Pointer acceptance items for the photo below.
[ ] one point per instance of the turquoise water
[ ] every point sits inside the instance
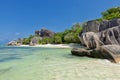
(30, 63)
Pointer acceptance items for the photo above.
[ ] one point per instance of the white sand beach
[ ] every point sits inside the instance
(55, 46)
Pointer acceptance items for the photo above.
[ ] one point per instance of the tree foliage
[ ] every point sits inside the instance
(57, 38)
(111, 13)
(72, 35)
(45, 40)
(27, 40)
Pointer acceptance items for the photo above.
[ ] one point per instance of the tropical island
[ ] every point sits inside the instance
(100, 36)
(59, 40)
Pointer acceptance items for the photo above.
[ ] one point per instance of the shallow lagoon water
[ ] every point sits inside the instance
(29, 63)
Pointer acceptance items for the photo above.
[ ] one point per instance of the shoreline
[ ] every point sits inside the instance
(55, 46)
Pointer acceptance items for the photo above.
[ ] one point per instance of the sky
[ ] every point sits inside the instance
(20, 18)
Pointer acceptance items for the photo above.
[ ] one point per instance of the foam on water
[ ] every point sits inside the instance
(52, 64)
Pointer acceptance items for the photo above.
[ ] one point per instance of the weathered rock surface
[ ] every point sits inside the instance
(34, 41)
(106, 32)
(110, 36)
(90, 39)
(81, 52)
(12, 43)
(91, 26)
(102, 38)
(110, 52)
(44, 33)
(103, 25)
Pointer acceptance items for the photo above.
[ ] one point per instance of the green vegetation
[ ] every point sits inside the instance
(68, 36)
(45, 40)
(57, 38)
(71, 35)
(110, 14)
(27, 40)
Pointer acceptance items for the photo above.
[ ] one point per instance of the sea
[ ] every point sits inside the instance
(36, 63)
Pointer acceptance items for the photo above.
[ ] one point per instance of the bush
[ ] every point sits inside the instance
(46, 40)
(72, 35)
(57, 38)
(27, 40)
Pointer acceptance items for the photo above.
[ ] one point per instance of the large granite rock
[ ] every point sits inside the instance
(111, 52)
(34, 41)
(94, 26)
(110, 36)
(102, 38)
(44, 33)
(114, 22)
(103, 25)
(106, 32)
(91, 26)
(90, 39)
